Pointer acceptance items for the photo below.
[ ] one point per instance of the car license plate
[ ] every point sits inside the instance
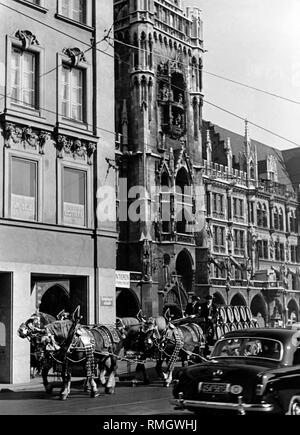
(213, 388)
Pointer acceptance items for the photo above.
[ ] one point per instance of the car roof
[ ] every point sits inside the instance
(281, 334)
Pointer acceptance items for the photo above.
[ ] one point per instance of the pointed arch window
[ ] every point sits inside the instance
(281, 220)
(165, 202)
(264, 216)
(184, 200)
(276, 218)
(259, 215)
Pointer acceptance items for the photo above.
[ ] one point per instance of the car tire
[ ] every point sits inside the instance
(294, 408)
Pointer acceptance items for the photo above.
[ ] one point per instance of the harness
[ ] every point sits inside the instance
(179, 343)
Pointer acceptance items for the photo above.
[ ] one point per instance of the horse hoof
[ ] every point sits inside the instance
(63, 398)
(109, 391)
(94, 394)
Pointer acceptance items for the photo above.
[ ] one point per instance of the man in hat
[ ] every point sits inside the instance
(208, 314)
(193, 306)
(208, 309)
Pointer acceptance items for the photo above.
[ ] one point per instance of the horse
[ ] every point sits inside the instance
(185, 342)
(38, 330)
(33, 329)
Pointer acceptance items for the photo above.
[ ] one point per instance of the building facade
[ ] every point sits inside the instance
(251, 240)
(56, 137)
(159, 49)
(238, 237)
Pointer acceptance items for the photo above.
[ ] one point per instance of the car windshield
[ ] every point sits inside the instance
(248, 347)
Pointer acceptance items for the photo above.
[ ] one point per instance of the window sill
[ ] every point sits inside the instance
(74, 23)
(33, 6)
(20, 108)
(70, 127)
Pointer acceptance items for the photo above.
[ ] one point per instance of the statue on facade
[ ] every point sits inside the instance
(165, 93)
(284, 275)
(146, 261)
(227, 266)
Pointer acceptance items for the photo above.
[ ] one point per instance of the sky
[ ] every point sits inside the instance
(256, 42)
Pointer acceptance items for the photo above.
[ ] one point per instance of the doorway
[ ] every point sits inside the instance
(5, 328)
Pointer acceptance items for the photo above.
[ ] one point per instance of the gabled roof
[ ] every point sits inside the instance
(263, 151)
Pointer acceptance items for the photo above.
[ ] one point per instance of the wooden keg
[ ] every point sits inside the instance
(230, 315)
(243, 313)
(219, 332)
(239, 326)
(223, 314)
(227, 328)
(236, 313)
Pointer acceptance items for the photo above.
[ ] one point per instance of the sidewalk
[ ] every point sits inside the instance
(125, 373)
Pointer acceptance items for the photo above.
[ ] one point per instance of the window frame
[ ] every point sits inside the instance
(39, 52)
(61, 165)
(87, 124)
(39, 7)
(71, 101)
(87, 24)
(38, 160)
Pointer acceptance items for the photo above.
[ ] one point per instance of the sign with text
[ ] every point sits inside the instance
(74, 214)
(107, 301)
(23, 207)
(122, 279)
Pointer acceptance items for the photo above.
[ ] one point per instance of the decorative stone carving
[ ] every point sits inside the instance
(75, 54)
(30, 137)
(146, 260)
(43, 138)
(63, 144)
(78, 149)
(25, 136)
(75, 148)
(27, 38)
(12, 134)
(91, 148)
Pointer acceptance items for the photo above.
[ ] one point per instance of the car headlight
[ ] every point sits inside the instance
(236, 390)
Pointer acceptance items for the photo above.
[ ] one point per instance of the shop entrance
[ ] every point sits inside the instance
(5, 327)
(128, 304)
(54, 294)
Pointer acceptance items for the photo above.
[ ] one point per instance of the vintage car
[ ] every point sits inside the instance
(248, 371)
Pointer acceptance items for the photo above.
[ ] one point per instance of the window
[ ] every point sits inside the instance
(293, 254)
(218, 205)
(263, 249)
(239, 242)
(72, 93)
(74, 197)
(238, 208)
(23, 203)
(74, 9)
(24, 78)
(219, 239)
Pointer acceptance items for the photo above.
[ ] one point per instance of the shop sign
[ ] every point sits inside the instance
(107, 301)
(22, 207)
(74, 214)
(122, 279)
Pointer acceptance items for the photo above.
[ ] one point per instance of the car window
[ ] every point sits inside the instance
(249, 347)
